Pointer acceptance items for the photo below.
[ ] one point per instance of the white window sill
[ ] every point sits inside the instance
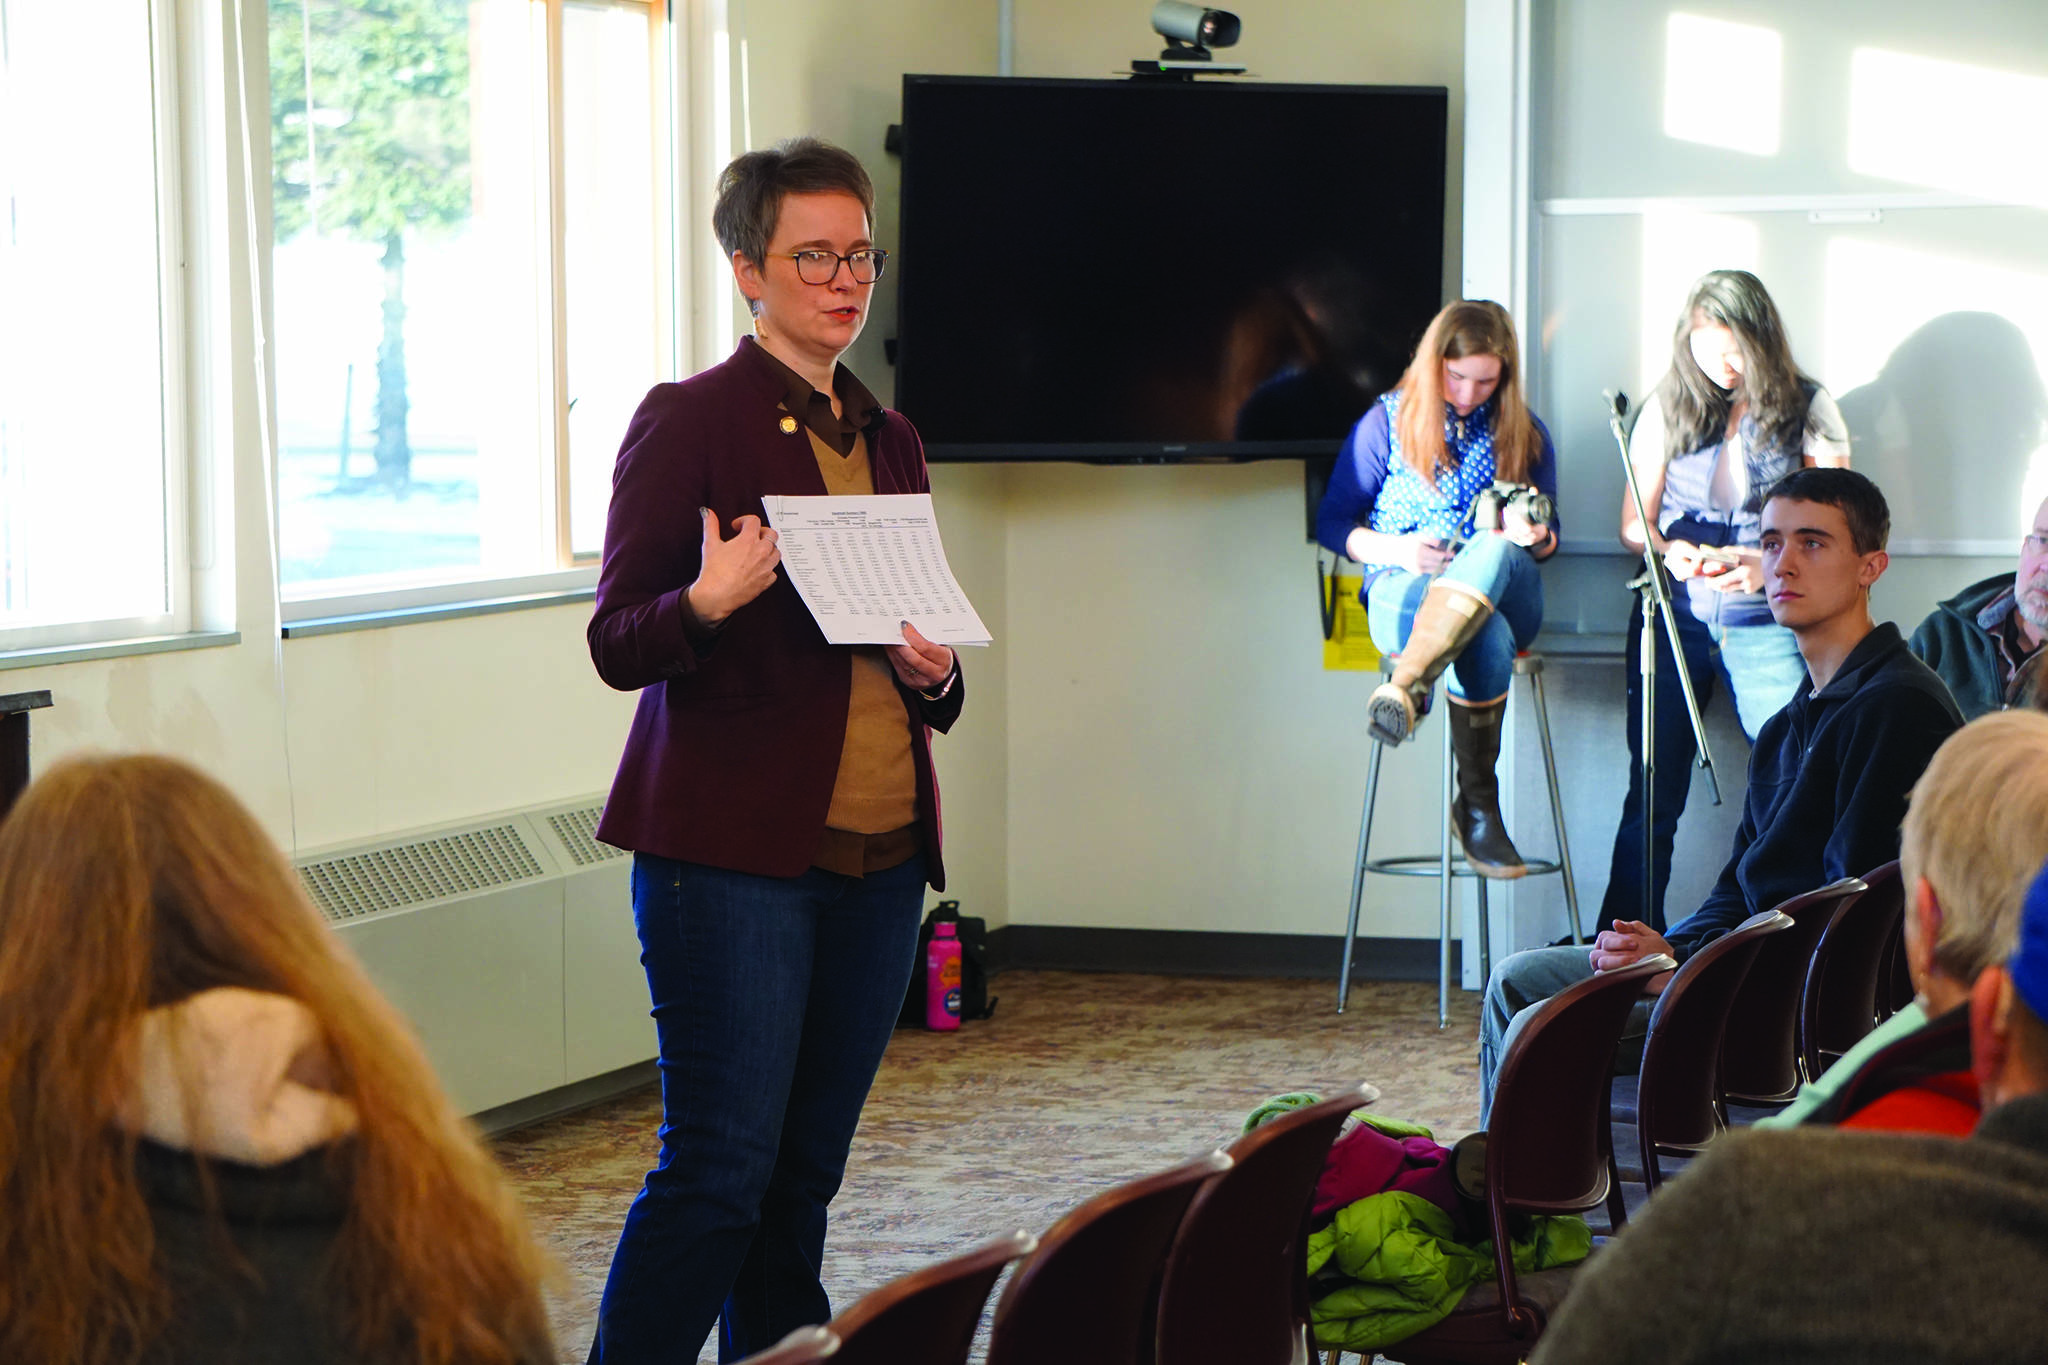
(118, 649)
(444, 611)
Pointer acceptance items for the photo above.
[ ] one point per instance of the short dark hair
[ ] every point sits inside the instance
(752, 188)
(1862, 505)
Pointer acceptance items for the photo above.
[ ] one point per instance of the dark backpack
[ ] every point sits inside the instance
(972, 932)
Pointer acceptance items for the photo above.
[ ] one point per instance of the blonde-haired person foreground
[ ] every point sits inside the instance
(1975, 833)
(217, 1142)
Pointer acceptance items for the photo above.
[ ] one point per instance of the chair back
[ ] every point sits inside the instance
(1235, 1291)
(927, 1317)
(1090, 1294)
(1547, 1143)
(1678, 1095)
(801, 1347)
(1840, 1001)
(1548, 1148)
(1760, 1061)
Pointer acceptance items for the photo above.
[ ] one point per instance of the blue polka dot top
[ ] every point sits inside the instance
(1406, 505)
(1373, 486)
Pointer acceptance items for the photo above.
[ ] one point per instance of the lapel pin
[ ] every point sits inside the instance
(788, 425)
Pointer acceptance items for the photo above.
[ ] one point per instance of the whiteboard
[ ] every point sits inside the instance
(1919, 302)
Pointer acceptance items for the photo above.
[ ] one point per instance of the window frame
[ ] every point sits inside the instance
(569, 572)
(170, 102)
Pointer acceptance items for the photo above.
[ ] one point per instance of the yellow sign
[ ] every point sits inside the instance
(1350, 647)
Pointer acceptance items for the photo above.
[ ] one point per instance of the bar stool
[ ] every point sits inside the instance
(1446, 868)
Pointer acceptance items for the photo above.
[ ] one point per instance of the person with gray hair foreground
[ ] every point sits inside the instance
(1976, 824)
(1830, 1247)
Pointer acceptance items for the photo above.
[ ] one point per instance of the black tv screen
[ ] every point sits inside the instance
(1160, 270)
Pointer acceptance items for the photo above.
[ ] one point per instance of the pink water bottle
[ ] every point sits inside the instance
(942, 979)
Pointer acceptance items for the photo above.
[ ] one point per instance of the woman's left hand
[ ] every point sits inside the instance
(920, 665)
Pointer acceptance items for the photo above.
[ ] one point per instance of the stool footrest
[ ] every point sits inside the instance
(1428, 864)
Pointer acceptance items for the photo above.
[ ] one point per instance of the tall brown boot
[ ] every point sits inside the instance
(1448, 620)
(1475, 809)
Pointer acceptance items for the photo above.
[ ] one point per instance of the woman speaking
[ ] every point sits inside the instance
(1733, 415)
(1440, 591)
(777, 792)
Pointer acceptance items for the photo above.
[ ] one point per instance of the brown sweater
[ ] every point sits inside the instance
(876, 790)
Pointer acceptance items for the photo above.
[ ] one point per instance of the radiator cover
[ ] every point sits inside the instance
(507, 941)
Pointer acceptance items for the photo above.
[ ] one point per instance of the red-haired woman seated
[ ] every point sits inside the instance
(217, 1142)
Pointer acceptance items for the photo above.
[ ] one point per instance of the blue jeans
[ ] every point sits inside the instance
(1763, 669)
(1497, 569)
(773, 1001)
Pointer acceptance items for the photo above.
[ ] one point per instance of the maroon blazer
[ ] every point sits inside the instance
(735, 746)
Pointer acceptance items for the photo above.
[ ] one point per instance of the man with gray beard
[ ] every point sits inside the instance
(1985, 642)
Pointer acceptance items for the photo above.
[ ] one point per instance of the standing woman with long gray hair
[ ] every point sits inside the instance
(1733, 414)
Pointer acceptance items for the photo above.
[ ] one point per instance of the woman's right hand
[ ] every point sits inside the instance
(1425, 555)
(1683, 558)
(734, 572)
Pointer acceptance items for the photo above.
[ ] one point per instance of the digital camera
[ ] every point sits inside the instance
(1531, 502)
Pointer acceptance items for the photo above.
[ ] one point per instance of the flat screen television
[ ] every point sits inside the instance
(1153, 271)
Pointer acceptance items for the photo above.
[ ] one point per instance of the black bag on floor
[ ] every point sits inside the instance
(972, 931)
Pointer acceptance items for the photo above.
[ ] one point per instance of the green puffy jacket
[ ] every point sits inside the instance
(1406, 1272)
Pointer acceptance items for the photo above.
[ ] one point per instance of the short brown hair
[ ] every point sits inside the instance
(1977, 829)
(752, 188)
(1861, 503)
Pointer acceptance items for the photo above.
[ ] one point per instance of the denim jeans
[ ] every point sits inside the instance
(1497, 569)
(773, 1001)
(1763, 669)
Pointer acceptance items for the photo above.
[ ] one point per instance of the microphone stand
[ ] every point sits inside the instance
(1656, 606)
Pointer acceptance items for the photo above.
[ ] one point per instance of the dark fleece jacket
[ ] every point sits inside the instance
(1965, 654)
(1827, 784)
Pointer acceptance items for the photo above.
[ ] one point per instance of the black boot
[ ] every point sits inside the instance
(1475, 810)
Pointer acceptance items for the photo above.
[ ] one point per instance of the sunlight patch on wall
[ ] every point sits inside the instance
(1679, 246)
(1948, 125)
(1723, 83)
(1938, 362)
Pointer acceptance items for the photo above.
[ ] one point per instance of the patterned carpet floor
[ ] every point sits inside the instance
(1079, 1082)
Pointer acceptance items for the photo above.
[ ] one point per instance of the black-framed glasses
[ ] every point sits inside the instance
(817, 266)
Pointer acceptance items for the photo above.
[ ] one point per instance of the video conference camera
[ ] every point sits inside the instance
(1191, 32)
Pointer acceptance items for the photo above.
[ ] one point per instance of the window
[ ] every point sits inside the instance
(472, 267)
(91, 506)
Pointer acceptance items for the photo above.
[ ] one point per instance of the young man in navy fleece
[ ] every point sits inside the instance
(1829, 774)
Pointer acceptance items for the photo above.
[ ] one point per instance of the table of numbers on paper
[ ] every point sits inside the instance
(865, 565)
